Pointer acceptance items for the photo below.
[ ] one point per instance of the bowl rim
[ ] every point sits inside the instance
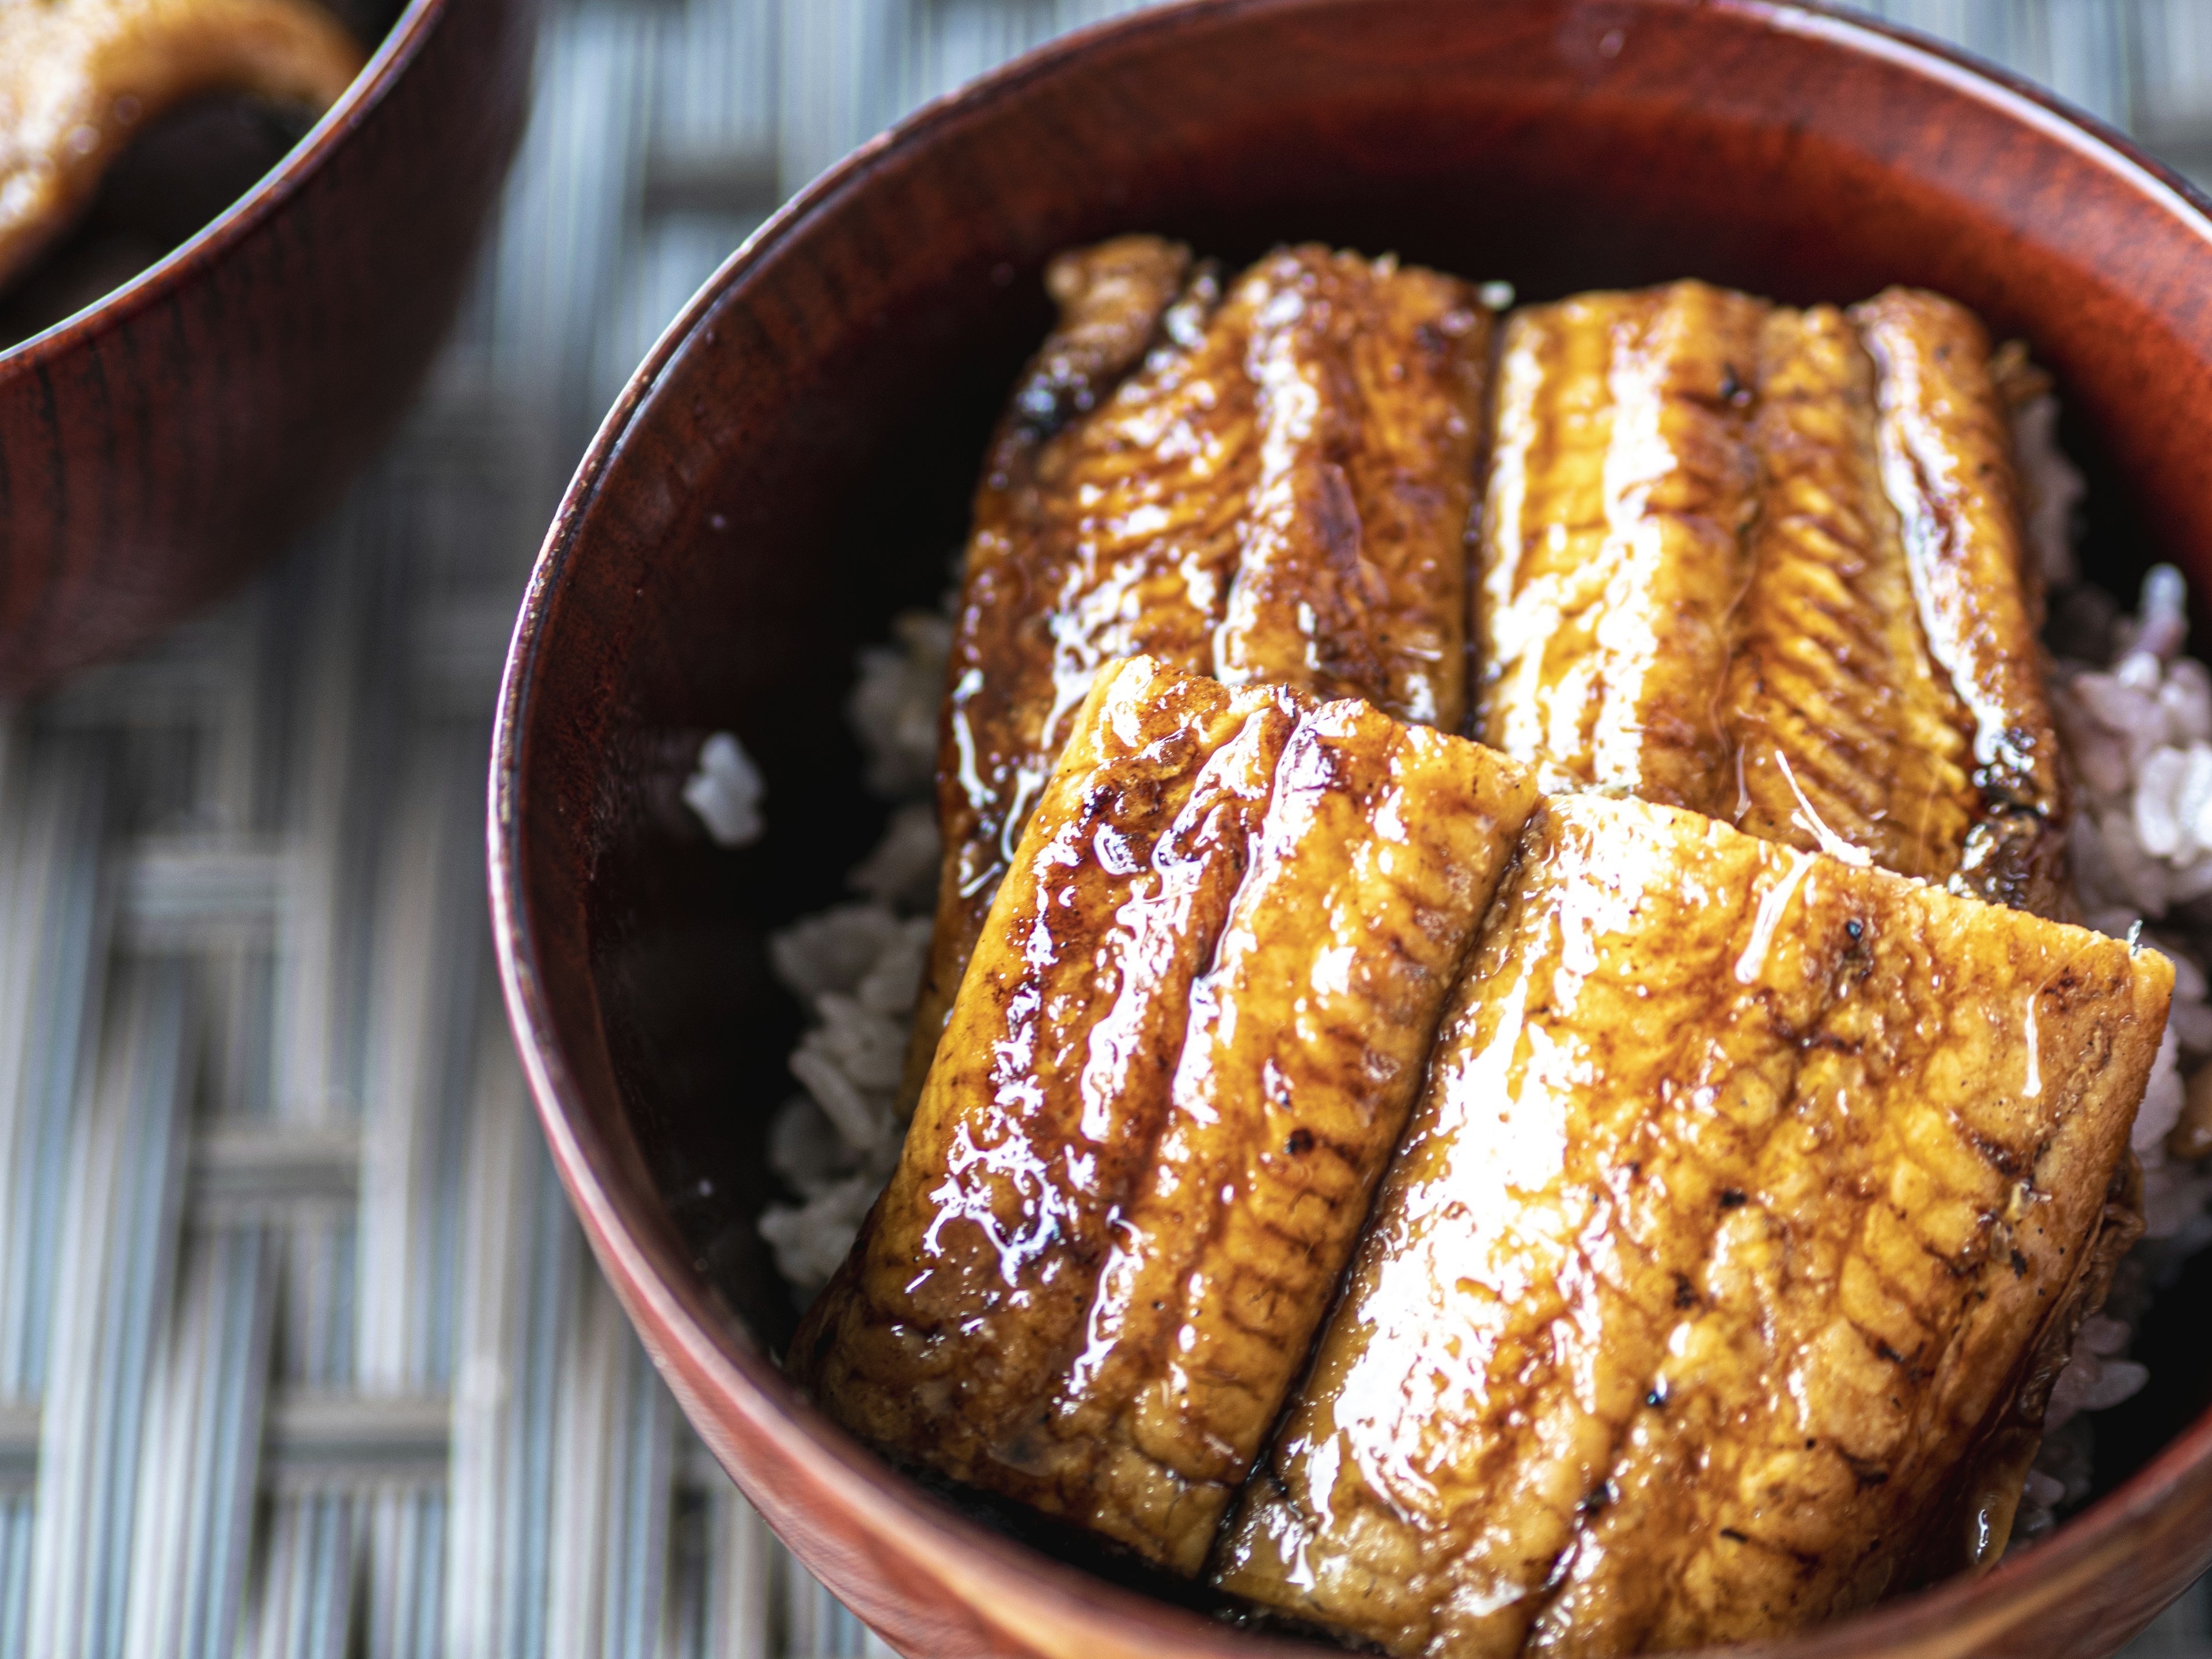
(695, 1338)
(400, 46)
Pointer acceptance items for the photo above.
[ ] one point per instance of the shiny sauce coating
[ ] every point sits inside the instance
(1197, 1015)
(1268, 482)
(1744, 1183)
(1768, 564)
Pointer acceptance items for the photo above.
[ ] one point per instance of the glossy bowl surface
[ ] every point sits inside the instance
(791, 465)
(158, 446)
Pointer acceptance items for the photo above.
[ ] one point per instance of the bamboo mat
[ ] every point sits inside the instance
(300, 1354)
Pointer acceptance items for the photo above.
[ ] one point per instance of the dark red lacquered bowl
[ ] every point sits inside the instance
(157, 446)
(792, 463)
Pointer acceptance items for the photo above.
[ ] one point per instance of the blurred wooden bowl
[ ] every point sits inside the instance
(158, 446)
(792, 463)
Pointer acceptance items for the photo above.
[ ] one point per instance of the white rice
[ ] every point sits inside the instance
(858, 969)
(2135, 725)
(2134, 722)
(725, 790)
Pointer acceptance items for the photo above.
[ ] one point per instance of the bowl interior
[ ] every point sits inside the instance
(793, 465)
(189, 169)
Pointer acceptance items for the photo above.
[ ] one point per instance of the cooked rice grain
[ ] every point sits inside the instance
(858, 968)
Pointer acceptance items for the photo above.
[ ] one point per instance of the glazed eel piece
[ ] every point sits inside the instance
(78, 78)
(1743, 1188)
(1768, 564)
(1195, 1019)
(1269, 484)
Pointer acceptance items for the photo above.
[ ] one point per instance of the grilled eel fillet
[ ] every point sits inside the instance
(1768, 564)
(1270, 485)
(79, 78)
(1194, 1025)
(1742, 1184)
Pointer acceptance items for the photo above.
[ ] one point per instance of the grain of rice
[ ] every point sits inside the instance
(893, 707)
(901, 873)
(2135, 723)
(857, 968)
(724, 791)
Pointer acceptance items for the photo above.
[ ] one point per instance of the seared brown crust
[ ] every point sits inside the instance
(1277, 493)
(78, 78)
(1946, 459)
(1080, 522)
(1611, 545)
(1744, 1185)
(1968, 1531)
(942, 1334)
(1352, 581)
(1768, 563)
(1189, 1035)
(1841, 722)
(1111, 299)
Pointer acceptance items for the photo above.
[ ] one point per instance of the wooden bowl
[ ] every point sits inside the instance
(793, 462)
(158, 446)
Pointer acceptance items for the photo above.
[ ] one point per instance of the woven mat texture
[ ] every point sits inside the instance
(301, 1353)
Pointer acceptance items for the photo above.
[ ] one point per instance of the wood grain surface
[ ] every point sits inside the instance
(159, 446)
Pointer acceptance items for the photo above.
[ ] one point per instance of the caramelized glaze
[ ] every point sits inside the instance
(1271, 484)
(1768, 564)
(1621, 486)
(1353, 578)
(1744, 1181)
(1753, 1193)
(1184, 1048)
(1843, 723)
(1947, 459)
